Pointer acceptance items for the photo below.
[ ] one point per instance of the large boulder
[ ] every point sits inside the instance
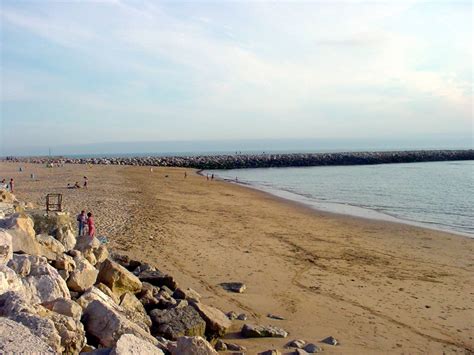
(6, 209)
(65, 307)
(193, 346)
(129, 344)
(42, 283)
(147, 296)
(6, 247)
(20, 226)
(260, 331)
(107, 333)
(158, 278)
(21, 264)
(9, 280)
(186, 294)
(14, 306)
(176, 322)
(7, 196)
(85, 243)
(57, 224)
(70, 330)
(101, 254)
(95, 294)
(17, 339)
(90, 247)
(105, 289)
(64, 262)
(118, 279)
(217, 322)
(50, 247)
(135, 310)
(83, 276)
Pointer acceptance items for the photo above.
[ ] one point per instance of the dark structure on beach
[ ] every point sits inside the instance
(270, 160)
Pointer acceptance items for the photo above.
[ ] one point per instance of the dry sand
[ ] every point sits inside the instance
(377, 287)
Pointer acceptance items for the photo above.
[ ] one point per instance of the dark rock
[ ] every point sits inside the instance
(270, 352)
(330, 340)
(217, 322)
(231, 315)
(242, 316)
(273, 316)
(259, 331)
(176, 322)
(220, 345)
(157, 278)
(297, 343)
(235, 347)
(312, 348)
(237, 287)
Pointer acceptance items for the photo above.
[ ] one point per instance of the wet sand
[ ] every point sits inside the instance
(377, 287)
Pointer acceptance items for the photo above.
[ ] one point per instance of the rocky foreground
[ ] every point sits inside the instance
(239, 161)
(62, 294)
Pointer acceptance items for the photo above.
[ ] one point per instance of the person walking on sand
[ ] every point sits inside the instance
(81, 222)
(185, 174)
(90, 225)
(12, 183)
(85, 182)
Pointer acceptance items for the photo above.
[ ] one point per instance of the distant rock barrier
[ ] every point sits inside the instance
(239, 161)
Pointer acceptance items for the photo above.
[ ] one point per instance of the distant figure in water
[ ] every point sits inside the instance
(236, 179)
(212, 177)
(81, 222)
(11, 184)
(90, 225)
(85, 182)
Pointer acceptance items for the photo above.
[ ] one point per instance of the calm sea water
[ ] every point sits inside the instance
(438, 195)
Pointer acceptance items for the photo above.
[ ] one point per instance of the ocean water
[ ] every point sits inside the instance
(438, 195)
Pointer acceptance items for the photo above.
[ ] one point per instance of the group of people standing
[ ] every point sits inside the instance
(8, 186)
(86, 221)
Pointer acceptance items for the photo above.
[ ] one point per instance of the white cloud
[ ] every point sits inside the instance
(283, 64)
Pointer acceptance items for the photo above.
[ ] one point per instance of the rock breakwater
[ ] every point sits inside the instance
(239, 161)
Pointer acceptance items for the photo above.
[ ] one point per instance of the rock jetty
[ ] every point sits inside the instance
(240, 161)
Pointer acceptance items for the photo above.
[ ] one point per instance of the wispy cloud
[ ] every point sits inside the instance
(294, 68)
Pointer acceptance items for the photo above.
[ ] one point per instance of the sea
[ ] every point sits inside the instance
(437, 195)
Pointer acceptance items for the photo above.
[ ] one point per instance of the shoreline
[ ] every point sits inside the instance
(318, 206)
(376, 286)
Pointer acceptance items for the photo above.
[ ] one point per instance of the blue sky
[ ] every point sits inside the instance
(88, 72)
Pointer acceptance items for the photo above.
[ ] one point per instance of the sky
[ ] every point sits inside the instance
(85, 73)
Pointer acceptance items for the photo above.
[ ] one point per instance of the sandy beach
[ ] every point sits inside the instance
(377, 287)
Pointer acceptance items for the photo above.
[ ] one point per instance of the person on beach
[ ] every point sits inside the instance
(85, 182)
(11, 185)
(207, 176)
(81, 222)
(90, 225)
(77, 186)
(185, 174)
(212, 177)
